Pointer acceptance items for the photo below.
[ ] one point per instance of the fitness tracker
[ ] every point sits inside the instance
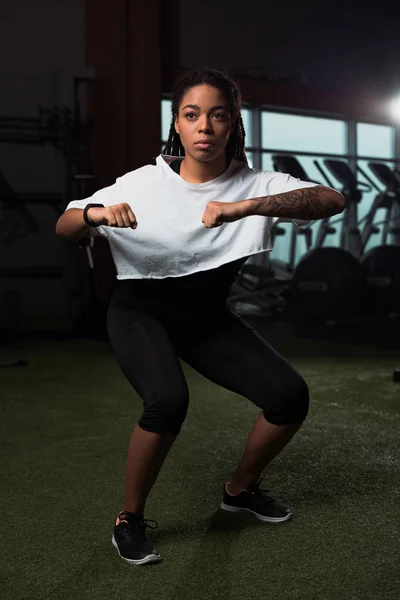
(85, 217)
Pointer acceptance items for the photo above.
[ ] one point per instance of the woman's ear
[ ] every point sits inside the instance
(176, 125)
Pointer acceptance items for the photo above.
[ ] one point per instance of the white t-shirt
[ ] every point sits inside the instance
(170, 239)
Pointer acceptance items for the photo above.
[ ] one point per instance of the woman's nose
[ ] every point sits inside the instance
(204, 124)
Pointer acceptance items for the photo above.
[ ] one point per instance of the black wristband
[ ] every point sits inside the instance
(85, 217)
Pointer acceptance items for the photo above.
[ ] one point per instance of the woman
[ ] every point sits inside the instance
(179, 232)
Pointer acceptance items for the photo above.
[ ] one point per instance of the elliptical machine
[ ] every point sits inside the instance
(382, 262)
(285, 163)
(258, 290)
(262, 284)
(328, 282)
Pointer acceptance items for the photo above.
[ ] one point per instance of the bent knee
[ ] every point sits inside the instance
(290, 404)
(166, 415)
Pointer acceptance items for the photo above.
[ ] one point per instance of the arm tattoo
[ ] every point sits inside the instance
(308, 203)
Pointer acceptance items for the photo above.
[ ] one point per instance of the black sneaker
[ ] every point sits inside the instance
(258, 502)
(131, 540)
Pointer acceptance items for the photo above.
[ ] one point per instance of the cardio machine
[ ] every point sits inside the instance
(328, 282)
(382, 262)
(263, 282)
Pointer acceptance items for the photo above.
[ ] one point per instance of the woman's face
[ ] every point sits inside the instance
(204, 123)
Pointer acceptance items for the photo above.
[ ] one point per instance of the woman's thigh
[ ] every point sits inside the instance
(147, 356)
(233, 355)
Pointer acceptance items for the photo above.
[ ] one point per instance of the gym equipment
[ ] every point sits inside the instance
(64, 129)
(257, 288)
(327, 285)
(286, 163)
(328, 282)
(22, 223)
(289, 164)
(263, 281)
(382, 263)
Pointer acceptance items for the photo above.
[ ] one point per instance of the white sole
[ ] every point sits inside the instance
(257, 515)
(151, 558)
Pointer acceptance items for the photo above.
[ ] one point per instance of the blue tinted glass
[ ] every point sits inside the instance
(246, 117)
(165, 119)
(304, 134)
(375, 140)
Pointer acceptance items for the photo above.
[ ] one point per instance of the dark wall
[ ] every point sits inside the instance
(349, 44)
(41, 50)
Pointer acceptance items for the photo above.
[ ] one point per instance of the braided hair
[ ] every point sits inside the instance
(223, 82)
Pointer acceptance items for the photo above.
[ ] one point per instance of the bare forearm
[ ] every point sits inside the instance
(71, 224)
(310, 203)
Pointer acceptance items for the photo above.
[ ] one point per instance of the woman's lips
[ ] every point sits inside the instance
(204, 145)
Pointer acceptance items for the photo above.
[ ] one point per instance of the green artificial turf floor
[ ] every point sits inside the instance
(65, 424)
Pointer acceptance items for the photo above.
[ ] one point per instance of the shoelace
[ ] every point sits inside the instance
(255, 489)
(146, 522)
(139, 524)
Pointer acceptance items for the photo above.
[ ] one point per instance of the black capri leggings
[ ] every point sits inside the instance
(220, 345)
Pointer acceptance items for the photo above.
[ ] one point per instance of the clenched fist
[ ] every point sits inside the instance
(118, 215)
(217, 213)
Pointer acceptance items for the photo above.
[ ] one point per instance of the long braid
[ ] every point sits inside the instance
(236, 142)
(222, 81)
(174, 146)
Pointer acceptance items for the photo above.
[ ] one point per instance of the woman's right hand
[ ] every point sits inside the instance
(118, 215)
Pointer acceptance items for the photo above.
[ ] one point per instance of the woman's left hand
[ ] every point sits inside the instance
(217, 213)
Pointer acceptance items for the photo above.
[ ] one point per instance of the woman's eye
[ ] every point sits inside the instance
(190, 115)
(218, 115)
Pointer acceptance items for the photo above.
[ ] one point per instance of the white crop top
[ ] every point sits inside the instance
(170, 239)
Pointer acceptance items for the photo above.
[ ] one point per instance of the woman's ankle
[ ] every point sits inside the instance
(127, 513)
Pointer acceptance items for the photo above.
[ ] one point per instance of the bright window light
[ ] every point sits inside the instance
(394, 108)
